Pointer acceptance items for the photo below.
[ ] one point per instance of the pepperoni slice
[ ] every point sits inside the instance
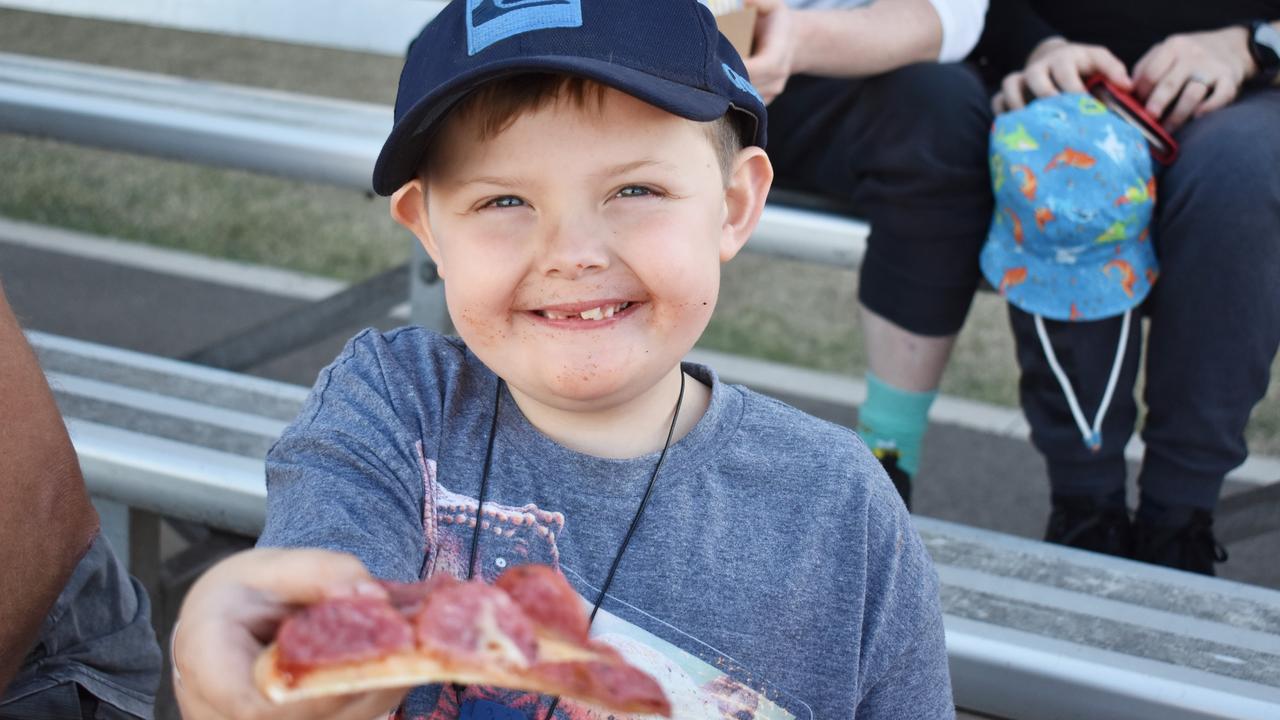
(471, 631)
(475, 620)
(623, 685)
(408, 598)
(342, 630)
(547, 598)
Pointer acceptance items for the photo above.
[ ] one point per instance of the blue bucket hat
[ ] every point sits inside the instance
(667, 53)
(1070, 237)
(1074, 189)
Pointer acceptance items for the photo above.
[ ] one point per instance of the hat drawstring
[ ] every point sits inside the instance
(1092, 436)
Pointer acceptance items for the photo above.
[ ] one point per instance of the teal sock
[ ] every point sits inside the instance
(895, 417)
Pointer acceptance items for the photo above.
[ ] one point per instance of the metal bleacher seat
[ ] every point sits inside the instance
(1033, 630)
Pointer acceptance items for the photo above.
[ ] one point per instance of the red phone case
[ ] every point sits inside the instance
(1163, 147)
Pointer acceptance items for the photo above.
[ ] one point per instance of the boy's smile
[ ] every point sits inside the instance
(585, 314)
(581, 248)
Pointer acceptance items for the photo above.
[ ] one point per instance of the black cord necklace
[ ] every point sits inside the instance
(626, 539)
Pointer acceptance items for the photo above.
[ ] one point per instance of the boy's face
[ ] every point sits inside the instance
(581, 247)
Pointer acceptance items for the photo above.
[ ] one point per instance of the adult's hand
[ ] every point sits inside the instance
(770, 66)
(1058, 66)
(233, 612)
(1192, 74)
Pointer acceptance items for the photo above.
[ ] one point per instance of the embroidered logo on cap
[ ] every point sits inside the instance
(740, 82)
(489, 21)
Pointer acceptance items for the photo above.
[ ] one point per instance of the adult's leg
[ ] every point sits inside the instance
(1086, 352)
(1215, 311)
(908, 151)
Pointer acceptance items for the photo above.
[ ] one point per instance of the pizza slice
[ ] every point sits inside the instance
(527, 631)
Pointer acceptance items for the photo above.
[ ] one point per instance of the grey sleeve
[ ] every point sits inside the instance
(904, 674)
(347, 474)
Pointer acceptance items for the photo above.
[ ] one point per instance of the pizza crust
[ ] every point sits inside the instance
(411, 669)
(403, 670)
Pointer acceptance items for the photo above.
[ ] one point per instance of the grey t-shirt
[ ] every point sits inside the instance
(775, 573)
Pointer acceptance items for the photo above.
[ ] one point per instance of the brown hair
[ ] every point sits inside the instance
(495, 105)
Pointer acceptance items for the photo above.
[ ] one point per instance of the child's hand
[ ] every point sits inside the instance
(233, 612)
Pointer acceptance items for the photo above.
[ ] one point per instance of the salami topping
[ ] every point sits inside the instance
(546, 597)
(409, 597)
(528, 631)
(474, 618)
(341, 631)
(622, 683)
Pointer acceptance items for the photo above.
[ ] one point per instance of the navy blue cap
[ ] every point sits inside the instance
(667, 53)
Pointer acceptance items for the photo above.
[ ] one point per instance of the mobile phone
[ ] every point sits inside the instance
(1163, 147)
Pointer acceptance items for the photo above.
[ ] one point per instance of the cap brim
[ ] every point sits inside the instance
(401, 155)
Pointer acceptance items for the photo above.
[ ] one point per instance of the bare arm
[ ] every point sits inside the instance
(867, 40)
(851, 42)
(46, 520)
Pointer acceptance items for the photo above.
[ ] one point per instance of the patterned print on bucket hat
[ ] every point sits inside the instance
(1070, 238)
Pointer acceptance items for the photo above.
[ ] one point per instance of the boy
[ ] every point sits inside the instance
(579, 171)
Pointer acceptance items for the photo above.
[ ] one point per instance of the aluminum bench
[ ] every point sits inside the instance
(1033, 630)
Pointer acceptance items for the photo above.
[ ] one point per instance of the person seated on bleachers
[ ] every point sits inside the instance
(1208, 72)
(869, 107)
(75, 629)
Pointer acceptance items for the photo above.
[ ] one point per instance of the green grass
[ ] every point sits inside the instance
(222, 213)
(804, 314)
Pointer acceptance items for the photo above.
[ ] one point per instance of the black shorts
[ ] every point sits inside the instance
(906, 151)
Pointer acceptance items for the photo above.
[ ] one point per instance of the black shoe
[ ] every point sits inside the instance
(888, 457)
(1191, 546)
(1082, 521)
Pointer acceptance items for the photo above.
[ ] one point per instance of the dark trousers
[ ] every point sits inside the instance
(1214, 324)
(67, 701)
(907, 151)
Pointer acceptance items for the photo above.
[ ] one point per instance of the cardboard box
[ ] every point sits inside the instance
(739, 26)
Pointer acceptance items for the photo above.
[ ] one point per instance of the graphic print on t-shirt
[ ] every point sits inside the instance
(700, 681)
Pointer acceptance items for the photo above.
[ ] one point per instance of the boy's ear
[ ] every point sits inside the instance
(409, 208)
(744, 199)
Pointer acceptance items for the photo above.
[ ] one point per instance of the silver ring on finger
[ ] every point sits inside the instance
(1198, 78)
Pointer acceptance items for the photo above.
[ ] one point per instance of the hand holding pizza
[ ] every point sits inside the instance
(235, 609)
